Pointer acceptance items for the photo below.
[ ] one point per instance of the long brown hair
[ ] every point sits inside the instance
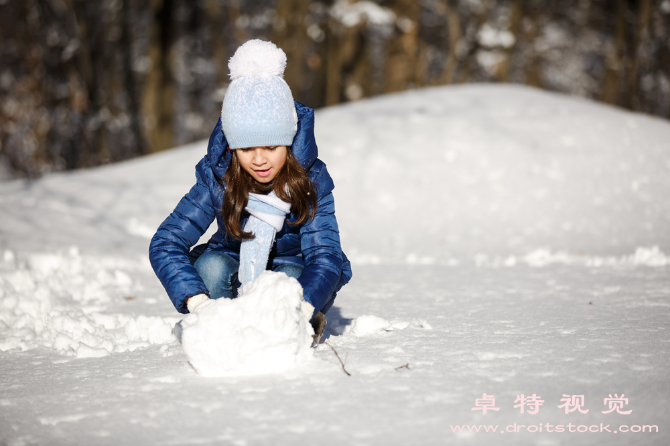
(238, 183)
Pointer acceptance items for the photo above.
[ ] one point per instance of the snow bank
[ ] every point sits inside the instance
(58, 301)
(643, 256)
(651, 256)
(450, 172)
(262, 331)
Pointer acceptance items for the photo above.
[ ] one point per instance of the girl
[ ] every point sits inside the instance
(269, 193)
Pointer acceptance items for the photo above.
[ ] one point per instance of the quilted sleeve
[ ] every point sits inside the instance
(322, 254)
(169, 248)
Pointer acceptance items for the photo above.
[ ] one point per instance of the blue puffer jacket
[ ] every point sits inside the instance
(315, 244)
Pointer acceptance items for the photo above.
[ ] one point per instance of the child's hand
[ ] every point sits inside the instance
(197, 302)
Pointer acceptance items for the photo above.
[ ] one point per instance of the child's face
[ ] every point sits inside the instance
(262, 163)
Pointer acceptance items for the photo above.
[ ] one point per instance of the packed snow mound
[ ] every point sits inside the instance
(262, 331)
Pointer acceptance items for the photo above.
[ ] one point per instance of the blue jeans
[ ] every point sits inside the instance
(219, 272)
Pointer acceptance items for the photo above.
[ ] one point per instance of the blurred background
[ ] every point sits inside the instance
(89, 82)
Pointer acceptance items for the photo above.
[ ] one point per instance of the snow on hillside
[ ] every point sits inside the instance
(504, 240)
(500, 171)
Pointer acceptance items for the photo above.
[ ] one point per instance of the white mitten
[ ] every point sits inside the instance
(197, 302)
(307, 309)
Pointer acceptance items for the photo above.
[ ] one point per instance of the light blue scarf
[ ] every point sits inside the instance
(267, 215)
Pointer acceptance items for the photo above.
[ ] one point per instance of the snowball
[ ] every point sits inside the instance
(262, 331)
(367, 324)
(85, 351)
(400, 325)
(257, 57)
(421, 323)
(8, 256)
(650, 257)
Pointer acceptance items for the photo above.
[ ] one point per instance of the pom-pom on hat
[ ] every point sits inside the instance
(258, 108)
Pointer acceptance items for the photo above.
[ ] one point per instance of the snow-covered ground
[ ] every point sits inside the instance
(504, 240)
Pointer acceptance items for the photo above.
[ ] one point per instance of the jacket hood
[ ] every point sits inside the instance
(304, 144)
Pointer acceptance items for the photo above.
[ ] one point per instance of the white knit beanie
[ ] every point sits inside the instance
(258, 108)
